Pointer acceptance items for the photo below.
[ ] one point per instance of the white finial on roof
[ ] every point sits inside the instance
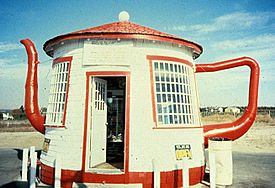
(123, 16)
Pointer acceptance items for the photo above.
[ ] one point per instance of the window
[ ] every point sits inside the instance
(99, 96)
(57, 97)
(175, 96)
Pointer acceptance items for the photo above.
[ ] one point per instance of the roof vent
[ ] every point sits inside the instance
(123, 16)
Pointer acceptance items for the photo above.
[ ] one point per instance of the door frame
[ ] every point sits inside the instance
(85, 151)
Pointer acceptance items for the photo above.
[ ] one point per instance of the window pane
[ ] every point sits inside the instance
(176, 68)
(163, 98)
(171, 68)
(175, 108)
(161, 67)
(167, 77)
(176, 119)
(158, 87)
(160, 119)
(172, 78)
(170, 109)
(173, 88)
(157, 77)
(171, 119)
(169, 99)
(156, 66)
(168, 87)
(177, 87)
(178, 98)
(166, 120)
(162, 77)
(180, 121)
(159, 109)
(179, 108)
(177, 77)
(166, 67)
(158, 98)
(163, 87)
(165, 109)
(174, 98)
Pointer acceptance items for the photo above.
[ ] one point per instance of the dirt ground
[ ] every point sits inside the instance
(259, 139)
(21, 139)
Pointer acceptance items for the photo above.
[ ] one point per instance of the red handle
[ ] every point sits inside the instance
(239, 127)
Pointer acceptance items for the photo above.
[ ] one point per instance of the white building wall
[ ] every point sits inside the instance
(146, 143)
(67, 142)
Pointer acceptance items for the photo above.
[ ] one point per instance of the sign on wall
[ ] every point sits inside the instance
(46, 144)
(183, 151)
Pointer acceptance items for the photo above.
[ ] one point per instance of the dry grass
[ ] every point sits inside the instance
(16, 126)
(227, 118)
(265, 118)
(218, 118)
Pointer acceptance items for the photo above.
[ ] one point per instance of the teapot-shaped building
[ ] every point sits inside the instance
(123, 102)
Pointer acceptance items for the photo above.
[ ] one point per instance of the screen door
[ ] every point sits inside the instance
(98, 121)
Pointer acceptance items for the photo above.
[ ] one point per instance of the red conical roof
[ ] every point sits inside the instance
(123, 29)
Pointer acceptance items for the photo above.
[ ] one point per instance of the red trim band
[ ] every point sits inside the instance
(56, 40)
(62, 59)
(167, 179)
(168, 58)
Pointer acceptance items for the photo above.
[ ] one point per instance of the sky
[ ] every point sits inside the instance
(225, 29)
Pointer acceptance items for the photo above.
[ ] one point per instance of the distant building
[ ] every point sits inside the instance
(7, 116)
(220, 110)
(232, 110)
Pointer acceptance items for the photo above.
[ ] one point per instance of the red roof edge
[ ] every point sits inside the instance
(123, 30)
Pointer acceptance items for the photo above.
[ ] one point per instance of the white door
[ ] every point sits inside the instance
(98, 121)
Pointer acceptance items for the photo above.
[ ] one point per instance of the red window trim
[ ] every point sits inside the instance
(62, 59)
(152, 58)
(127, 117)
(168, 58)
(56, 61)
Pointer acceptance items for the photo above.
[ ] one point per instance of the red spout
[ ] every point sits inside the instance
(31, 94)
(239, 127)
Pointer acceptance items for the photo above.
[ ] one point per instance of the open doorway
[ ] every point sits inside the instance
(107, 143)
